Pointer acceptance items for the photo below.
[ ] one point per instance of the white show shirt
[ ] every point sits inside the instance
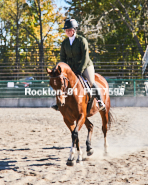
(71, 39)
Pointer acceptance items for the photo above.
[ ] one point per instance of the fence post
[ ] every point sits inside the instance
(134, 88)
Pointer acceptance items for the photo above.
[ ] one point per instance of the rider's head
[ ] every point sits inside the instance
(70, 27)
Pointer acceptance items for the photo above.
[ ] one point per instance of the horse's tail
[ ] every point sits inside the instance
(110, 118)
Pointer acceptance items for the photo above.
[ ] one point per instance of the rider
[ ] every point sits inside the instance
(75, 52)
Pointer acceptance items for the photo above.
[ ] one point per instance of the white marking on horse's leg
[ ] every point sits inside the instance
(105, 146)
(105, 142)
(72, 153)
(79, 155)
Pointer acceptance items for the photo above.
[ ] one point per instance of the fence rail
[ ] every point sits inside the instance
(114, 61)
(41, 88)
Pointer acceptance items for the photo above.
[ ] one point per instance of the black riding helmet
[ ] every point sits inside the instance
(70, 23)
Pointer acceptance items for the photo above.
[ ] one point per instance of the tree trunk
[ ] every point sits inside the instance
(17, 41)
(41, 52)
(139, 45)
(41, 59)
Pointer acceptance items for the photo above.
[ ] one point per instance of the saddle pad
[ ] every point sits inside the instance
(84, 82)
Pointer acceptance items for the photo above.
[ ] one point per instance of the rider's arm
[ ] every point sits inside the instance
(85, 55)
(62, 53)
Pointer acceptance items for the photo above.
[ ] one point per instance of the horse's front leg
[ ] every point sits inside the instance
(79, 151)
(89, 126)
(75, 138)
(104, 116)
(71, 155)
(71, 126)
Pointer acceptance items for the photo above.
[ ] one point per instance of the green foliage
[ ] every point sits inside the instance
(33, 24)
(113, 23)
(124, 20)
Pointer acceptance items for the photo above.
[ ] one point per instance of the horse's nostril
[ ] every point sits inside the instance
(62, 104)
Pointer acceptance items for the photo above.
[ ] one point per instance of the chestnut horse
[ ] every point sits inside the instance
(74, 107)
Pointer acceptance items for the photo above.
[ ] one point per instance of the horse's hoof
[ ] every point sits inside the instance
(90, 152)
(70, 162)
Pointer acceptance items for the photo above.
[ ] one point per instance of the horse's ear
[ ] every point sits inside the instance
(59, 70)
(49, 71)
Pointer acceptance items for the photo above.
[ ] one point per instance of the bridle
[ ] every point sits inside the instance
(66, 86)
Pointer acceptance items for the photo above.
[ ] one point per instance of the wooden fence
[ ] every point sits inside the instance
(111, 61)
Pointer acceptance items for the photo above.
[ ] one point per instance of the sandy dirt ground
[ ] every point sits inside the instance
(35, 145)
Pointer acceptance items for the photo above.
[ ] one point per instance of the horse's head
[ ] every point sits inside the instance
(58, 82)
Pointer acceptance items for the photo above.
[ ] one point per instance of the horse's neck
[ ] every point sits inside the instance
(74, 83)
(72, 79)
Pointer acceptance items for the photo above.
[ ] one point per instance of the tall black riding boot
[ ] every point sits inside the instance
(97, 95)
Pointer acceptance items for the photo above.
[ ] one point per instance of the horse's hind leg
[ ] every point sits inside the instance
(89, 126)
(104, 116)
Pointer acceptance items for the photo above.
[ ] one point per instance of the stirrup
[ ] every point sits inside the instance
(101, 105)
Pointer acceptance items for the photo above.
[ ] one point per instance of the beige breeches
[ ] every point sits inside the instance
(89, 73)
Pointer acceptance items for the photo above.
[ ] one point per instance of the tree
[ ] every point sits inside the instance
(104, 18)
(11, 15)
(33, 23)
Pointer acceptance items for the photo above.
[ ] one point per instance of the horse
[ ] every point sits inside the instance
(73, 106)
